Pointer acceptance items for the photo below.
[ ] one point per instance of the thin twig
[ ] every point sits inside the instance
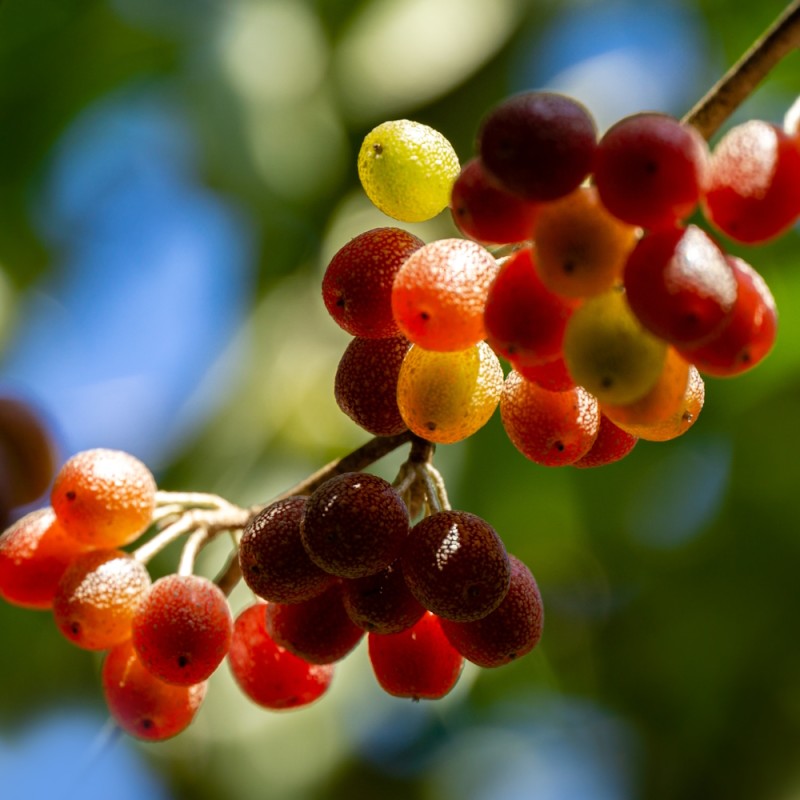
(741, 80)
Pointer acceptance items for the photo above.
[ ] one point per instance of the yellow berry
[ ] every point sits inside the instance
(407, 170)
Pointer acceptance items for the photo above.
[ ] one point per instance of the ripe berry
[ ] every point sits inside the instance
(549, 428)
(525, 321)
(418, 663)
(539, 145)
(34, 554)
(104, 498)
(752, 194)
(446, 397)
(381, 603)
(407, 169)
(456, 565)
(650, 169)
(357, 286)
(317, 630)
(274, 562)
(680, 285)
(183, 628)
(612, 444)
(609, 352)
(551, 375)
(354, 525)
(485, 212)
(439, 294)
(749, 333)
(98, 596)
(679, 421)
(581, 248)
(269, 675)
(140, 703)
(365, 387)
(512, 630)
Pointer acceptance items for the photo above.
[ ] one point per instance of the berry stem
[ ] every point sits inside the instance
(741, 80)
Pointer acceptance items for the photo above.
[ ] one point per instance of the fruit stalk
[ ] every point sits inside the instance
(741, 80)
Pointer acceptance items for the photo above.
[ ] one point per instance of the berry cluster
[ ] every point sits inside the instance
(347, 561)
(606, 302)
(607, 305)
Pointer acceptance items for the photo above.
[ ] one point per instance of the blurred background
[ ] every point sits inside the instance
(174, 178)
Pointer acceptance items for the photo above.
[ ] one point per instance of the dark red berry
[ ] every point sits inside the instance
(456, 565)
(317, 630)
(510, 631)
(274, 562)
(354, 525)
(539, 145)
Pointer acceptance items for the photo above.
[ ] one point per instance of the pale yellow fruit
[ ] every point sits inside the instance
(407, 170)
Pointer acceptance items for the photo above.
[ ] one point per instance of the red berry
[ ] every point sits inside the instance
(753, 193)
(748, 335)
(551, 375)
(650, 170)
(456, 565)
(680, 285)
(269, 675)
(612, 444)
(183, 628)
(512, 630)
(485, 212)
(539, 145)
(525, 321)
(274, 562)
(357, 284)
(140, 703)
(418, 663)
(317, 630)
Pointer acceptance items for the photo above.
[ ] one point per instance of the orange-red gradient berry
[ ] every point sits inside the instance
(419, 662)
(34, 554)
(512, 630)
(269, 675)
(140, 703)
(549, 428)
(97, 597)
(439, 294)
(357, 284)
(104, 498)
(581, 248)
(183, 629)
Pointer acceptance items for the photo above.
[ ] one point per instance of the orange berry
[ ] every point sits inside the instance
(98, 596)
(104, 498)
(440, 292)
